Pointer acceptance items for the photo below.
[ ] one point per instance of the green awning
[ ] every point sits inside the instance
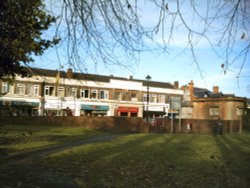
(95, 107)
(12, 103)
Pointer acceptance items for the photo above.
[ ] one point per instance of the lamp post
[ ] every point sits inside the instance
(148, 78)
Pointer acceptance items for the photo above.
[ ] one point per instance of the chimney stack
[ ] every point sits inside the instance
(70, 73)
(215, 89)
(191, 89)
(176, 85)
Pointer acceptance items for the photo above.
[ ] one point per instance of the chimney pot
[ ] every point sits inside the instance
(176, 84)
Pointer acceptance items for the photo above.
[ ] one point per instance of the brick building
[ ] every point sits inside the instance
(211, 105)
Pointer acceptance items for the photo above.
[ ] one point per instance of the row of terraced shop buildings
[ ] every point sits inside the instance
(67, 93)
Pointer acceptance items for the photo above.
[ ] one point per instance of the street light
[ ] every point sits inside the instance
(148, 78)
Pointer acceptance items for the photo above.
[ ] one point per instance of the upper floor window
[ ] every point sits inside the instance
(60, 92)
(214, 111)
(153, 98)
(20, 89)
(118, 95)
(94, 94)
(162, 98)
(134, 97)
(71, 92)
(103, 94)
(7, 88)
(84, 93)
(239, 111)
(33, 90)
(49, 90)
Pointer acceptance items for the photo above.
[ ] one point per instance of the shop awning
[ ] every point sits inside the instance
(95, 107)
(12, 103)
(127, 109)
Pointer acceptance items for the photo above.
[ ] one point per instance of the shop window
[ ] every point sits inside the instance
(84, 93)
(124, 114)
(33, 90)
(49, 90)
(133, 114)
(94, 94)
(71, 92)
(103, 94)
(20, 89)
(214, 112)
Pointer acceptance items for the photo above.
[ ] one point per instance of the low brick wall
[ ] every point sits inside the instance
(114, 124)
(126, 124)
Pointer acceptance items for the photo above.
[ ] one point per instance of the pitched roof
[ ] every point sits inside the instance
(201, 92)
(94, 77)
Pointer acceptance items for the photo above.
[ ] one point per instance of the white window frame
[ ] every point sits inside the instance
(103, 94)
(214, 111)
(94, 92)
(61, 92)
(20, 89)
(6, 87)
(153, 98)
(83, 93)
(162, 98)
(47, 91)
(33, 90)
(71, 92)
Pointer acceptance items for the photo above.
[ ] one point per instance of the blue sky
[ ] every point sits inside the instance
(171, 65)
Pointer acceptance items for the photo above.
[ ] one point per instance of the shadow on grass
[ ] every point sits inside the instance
(235, 163)
(140, 160)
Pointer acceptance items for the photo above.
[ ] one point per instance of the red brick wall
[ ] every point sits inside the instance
(125, 124)
(227, 109)
(114, 124)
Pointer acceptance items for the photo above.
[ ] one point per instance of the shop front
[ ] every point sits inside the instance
(94, 110)
(59, 108)
(127, 111)
(18, 108)
(154, 111)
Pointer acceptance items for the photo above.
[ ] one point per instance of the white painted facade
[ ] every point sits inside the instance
(112, 97)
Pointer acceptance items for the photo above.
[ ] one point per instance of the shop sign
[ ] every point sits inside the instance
(22, 103)
(156, 108)
(95, 107)
(127, 109)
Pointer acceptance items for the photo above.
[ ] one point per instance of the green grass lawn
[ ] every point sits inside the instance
(159, 160)
(138, 160)
(19, 139)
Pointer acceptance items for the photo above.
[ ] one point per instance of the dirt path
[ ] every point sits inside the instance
(24, 171)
